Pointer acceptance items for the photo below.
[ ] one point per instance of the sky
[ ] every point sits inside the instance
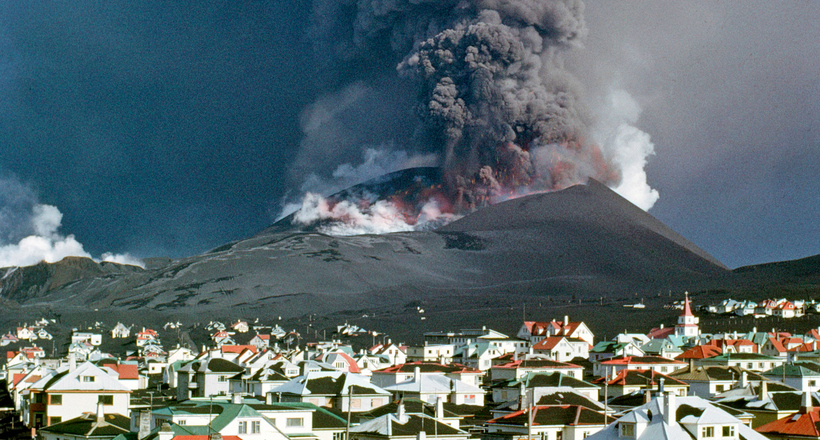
(169, 128)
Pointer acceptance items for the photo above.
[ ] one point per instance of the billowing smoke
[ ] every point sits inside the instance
(30, 231)
(493, 100)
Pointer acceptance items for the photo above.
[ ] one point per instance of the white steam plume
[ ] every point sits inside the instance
(346, 218)
(628, 146)
(31, 231)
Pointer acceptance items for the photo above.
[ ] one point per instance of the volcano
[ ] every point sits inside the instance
(582, 242)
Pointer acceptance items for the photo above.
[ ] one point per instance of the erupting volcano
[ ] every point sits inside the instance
(494, 104)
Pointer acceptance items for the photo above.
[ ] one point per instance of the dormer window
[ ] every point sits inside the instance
(89, 379)
(627, 430)
(729, 431)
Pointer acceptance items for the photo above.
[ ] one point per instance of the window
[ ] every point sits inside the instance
(56, 399)
(106, 399)
(255, 427)
(295, 422)
(243, 427)
(627, 430)
(719, 388)
(729, 431)
(338, 436)
(89, 379)
(53, 420)
(182, 422)
(223, 378)
(708, 431)
(812, 383)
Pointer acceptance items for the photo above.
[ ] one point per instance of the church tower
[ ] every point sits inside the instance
(687, 322)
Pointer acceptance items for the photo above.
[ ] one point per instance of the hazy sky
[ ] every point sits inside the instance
(168, 128)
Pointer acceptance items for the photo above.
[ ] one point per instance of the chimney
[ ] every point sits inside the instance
(421, 435)
(439, 408)
(522, 393)
(566, 320)
(669, 407)
(400, 411)
(165, 432)
(236, 398)
(143, 424)
(416, 374)
(647, 395)
(806, 406)
(744, 379)
(269, 398)
(764, 389)
(660, 387)
(100, 412)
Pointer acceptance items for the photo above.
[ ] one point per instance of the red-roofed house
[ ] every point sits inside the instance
(340, 361)
(661, 332)
(535, 331)
(805, 424)
(785, 310)
(517, 369)
(562, 348)
(628, 381)
(700, 352)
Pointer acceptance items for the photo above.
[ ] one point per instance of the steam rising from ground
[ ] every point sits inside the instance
(493, 103)
(30, 231)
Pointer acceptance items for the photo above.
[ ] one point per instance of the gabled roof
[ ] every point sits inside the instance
(640, 360)
(649, 378)
(429, 367)
(565, 415)
(537, 363)
(803, 424)
(434, 383)
(391, 425)
(700, 352)
(554, 379)
(65, 380)
(88, 425)
(329, 383)
(716, 373)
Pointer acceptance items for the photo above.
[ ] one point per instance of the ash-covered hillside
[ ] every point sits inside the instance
(585, 241)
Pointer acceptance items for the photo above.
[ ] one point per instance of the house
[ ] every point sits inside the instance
(403, 426)
(765, 405)
(393, 354)
(400, 373)
(120, 331)
(786, 310)
(548, 423)
(201, 418)
(630, 381)
(430, 387)
(240, 326)
(70, 391)
(610, 349)
(441, 353)
(611, 367)
(147, 336)
(661, 347)
(804, 424)
(260, 341)
(333, 389)
(519, 368)
(96, 426)
(340, 361)
(707, 382)
(749, 361)
(536, 385)
(478, 355)
(26, 333)
(802, 376)
(562, 348)
(94, 339)
(677, 418)
(534, 331)
(205, 378)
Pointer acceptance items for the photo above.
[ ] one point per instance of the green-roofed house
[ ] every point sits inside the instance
(202, 417)
(802, 376)
(609, 349)
(540, 384)
(403, 426)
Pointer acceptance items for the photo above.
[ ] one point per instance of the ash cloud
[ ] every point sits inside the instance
(492, 99)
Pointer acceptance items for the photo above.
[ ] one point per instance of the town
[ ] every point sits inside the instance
(550, 381)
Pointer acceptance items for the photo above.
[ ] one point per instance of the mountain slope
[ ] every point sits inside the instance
(585, 241)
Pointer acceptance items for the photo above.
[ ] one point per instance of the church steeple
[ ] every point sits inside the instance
(687, 322)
